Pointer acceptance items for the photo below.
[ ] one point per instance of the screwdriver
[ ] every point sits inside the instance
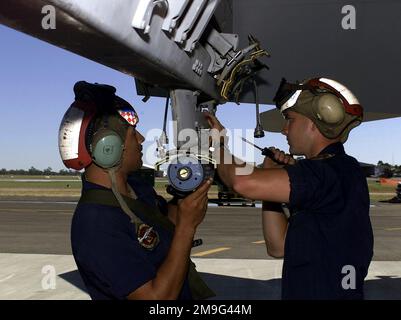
(265, 151)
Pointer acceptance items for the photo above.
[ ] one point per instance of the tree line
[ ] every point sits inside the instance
(32, 171)
(383, 169)
(386, 170)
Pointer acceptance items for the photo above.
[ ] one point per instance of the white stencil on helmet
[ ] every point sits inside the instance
(346, 93)
(68, 135)
(291, 101)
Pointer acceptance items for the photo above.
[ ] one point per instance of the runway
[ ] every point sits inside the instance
(43, 227)
(35, 235)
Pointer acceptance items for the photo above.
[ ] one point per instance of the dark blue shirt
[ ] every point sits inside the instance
(329, 232)
(109, 258)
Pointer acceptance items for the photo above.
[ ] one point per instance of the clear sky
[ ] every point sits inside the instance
(36, 81)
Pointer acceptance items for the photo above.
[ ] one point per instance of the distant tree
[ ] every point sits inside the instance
(397, 170)
(20, 172)
(387, 172)
(48, 171)
(69, 172)
(63, 172)
(34, 171)
(384, 170)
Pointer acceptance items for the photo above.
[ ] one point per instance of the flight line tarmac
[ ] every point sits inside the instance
(35, 241)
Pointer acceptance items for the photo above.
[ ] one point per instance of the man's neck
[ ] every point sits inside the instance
(319, 147)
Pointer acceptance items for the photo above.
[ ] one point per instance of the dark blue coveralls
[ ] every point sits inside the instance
(110, 260)
(329, 233)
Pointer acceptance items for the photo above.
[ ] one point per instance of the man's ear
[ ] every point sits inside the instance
(311, 125)
(314, 130)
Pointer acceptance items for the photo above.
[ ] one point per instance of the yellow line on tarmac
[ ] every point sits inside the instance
(259, 242)
(204, 253)
(392, 229)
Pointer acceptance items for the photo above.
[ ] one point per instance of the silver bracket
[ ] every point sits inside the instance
(190, 44)
(175, 10)
(144, 11)
(221, 47)
(189, 20)
(223, 43)
(216, 62)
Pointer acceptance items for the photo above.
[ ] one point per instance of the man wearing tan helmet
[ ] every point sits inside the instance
(327, 240)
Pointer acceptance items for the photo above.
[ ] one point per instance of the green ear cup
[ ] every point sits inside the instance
(107, 148)
(329, 109)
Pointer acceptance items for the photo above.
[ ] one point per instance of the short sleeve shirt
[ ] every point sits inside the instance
(110, 260)
(329, 233)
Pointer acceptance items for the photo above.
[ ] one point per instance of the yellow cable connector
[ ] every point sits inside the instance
(228, 84)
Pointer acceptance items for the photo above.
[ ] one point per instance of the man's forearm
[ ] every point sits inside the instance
(227, 166)
(275, 225)
(172, 273)
(226, 171)
(172, 212)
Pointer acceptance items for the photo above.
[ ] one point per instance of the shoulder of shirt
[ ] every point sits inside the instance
(323, 156)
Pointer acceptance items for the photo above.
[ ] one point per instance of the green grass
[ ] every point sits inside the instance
(74, 186)
(380, 197)
(23, 177)
(40, 185)
(377, 187)
(160, 184)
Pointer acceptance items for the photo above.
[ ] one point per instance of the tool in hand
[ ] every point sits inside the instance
(265, 151)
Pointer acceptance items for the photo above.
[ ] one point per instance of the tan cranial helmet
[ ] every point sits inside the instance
(331, 106)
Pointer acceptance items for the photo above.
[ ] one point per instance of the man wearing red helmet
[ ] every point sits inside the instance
(127, 242)
(327, 241)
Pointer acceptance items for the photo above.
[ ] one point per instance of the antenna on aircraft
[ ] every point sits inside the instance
(164, 137)
(258, 133)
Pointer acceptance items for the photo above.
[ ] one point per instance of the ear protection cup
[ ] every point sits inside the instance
(328, 108)
(106, 148)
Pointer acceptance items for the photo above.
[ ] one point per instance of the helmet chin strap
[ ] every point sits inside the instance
(142, 238)
(134, 219)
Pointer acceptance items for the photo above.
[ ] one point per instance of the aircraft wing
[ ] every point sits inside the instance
(273, 121)
(359, 46)
(127, 35)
